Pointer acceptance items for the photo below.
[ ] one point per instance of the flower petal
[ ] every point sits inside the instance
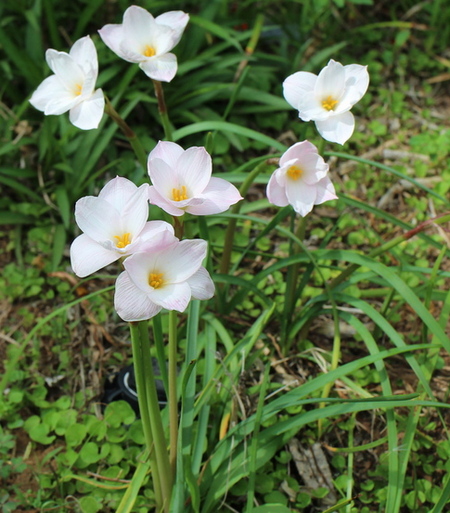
(112, 36)
(325, 191)
(296, 85)
(51, 97)
(296, 151)
(163, 177)
(331, 81)
(181, 261)
(83, 52)
(174, 296)
(314, 168)
(218, 196)
(66, 69)
(356, 84)
(155, 236)
(131, 303)
(97, 218)
(139, 28)
(276, 194)
(168, 151)
(118, 192)
(87, 256)
(162, 68)
(167, 205)
(88, 113)
(194, 169)
(153, 229)
(301, 196)
(310, 107)
(338, 128)
(139, 266)
(202, 286)
(176, 20)
(135, 212)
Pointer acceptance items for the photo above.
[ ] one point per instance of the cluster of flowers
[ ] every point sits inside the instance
(161, 271)
(141, 39)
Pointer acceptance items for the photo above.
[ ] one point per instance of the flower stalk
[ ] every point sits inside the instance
(152, 407)
(139, 374)
(127, 132)
(173, 403)
(231, 228)
(162, 108)
(291, 281)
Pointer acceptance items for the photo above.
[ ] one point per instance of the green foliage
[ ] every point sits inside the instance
(85, 459)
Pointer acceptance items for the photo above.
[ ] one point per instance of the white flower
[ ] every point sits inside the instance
(146, 40)
(71, 88)
(169, 279)
(301, 180)
(115, 226)
(327, 99)
(182, 181)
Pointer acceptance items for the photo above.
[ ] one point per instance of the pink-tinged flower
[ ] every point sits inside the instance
(165, 279)
(146, 40)
(71, 88)
(327, 98)
(182, 181)
(115, 225)
(301, 180)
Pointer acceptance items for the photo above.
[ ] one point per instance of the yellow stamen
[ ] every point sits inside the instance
(179, 194)
(294, 172)
(78, 89)
(149, 51)
(329, 103)
(155, 280)
(122, 240)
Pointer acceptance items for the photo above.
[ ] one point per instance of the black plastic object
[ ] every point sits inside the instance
(123, 387)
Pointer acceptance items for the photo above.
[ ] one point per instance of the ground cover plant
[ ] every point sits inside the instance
(299, 334)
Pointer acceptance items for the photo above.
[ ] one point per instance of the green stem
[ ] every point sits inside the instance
(173, 403)
(250, 48)
(321, 146)
(157, 429)
(140, 378)
(162, 108)
(229, 234)
(178, 225)
(291, 282)
(160, 354)
(384, 248)
(128, 133)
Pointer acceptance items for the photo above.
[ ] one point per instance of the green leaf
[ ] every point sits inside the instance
(89, 453)
(15, 218)
(224, 126)
(39, 434)
(59, 244)
(75, 434)
(63, 202)
(118, 413)
(90, 504)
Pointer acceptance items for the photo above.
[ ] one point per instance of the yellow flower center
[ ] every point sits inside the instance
(122, 240)
(149, 51)
(78, 89)
(329, 103)
(155, 280)
(294, 172)
(179, 194)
